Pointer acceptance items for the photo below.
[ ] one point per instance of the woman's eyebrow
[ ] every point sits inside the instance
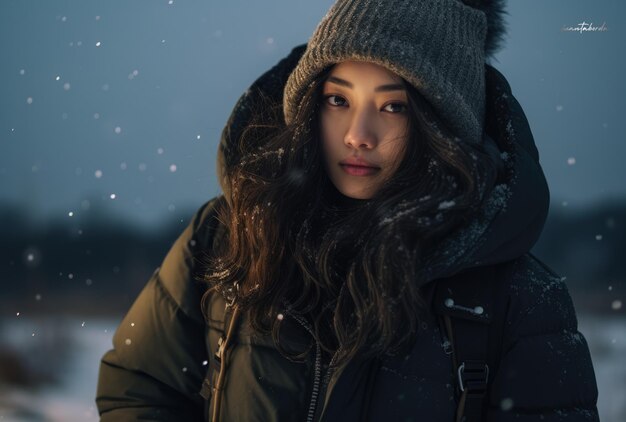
(382, 88)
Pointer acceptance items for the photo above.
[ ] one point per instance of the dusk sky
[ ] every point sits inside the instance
(116, 106)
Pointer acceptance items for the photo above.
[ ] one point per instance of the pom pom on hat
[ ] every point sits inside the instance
(496, 26)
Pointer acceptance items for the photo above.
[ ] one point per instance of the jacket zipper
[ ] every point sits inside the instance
(325, 382)
(318, 366)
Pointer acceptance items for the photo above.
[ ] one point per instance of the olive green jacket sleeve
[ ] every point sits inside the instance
(158, 360)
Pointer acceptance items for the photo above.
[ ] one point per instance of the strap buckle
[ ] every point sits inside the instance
(473, 376)
(219, 353)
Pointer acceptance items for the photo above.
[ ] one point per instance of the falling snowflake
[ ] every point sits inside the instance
(446, 204)
(506, 404)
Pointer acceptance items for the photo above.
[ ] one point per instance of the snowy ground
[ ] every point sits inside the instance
(75, 347)
(607, 342)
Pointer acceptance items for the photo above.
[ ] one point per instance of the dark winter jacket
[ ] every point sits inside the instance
(163, 347)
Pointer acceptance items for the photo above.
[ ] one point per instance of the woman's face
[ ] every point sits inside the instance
(364, 125)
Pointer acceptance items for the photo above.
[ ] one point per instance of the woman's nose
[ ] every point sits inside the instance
(361, 132)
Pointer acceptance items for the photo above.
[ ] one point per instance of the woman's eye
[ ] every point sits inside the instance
(395, 108)
(335, 100)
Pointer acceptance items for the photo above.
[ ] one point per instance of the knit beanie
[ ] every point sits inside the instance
(438, 46)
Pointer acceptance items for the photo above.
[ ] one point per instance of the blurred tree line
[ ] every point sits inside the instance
(96, 265)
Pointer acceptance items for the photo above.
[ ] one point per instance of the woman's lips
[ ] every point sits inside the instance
(355, 170)
(357, 166)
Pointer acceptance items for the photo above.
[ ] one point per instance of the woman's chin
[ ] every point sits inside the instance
(354, 193)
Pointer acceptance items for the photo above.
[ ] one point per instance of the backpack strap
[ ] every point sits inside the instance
(472, 308)
(213, 384)
(230, 320)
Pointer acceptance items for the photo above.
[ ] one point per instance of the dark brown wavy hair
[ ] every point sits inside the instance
(350, 267)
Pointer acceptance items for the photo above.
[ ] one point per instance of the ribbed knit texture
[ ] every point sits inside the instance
(438, 46)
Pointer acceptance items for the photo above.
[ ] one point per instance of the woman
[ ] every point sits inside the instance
(381, 193)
